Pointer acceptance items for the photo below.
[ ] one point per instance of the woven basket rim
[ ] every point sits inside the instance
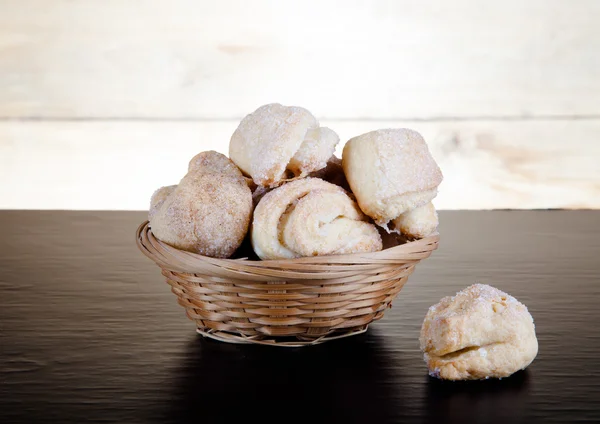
(144, 237)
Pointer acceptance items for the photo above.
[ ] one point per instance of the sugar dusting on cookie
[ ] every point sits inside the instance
(480, 332)
(272, 139)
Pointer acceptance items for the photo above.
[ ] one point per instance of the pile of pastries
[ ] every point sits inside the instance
(283, 188)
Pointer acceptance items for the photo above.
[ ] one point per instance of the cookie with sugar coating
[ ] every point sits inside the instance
(480, 333)
(208, 212)
(310, 217)
(390, 171)
(417, 223)
(277, 140)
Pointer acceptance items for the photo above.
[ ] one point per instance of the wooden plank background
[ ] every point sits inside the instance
(103, 101)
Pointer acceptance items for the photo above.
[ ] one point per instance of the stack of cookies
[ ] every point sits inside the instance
(284, 189)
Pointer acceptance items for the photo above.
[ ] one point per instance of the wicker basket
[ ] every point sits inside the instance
(294, 302)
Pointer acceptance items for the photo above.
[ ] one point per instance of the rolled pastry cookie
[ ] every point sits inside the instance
(417, 223)
(480, 333)
(310, 217)
(214, 162)
(208, 212)
(390, 171)
(203, 163)
(275, 138)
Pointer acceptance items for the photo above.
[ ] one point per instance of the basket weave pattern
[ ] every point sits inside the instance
(310, 299)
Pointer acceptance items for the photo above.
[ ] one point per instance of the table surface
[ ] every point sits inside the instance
(89, 330)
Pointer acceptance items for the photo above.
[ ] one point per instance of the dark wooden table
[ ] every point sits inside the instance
(90, 331)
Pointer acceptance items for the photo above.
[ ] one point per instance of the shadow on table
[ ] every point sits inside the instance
(340, 381)
(486, 401)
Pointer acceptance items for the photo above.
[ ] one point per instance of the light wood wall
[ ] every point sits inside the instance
(102, 101)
